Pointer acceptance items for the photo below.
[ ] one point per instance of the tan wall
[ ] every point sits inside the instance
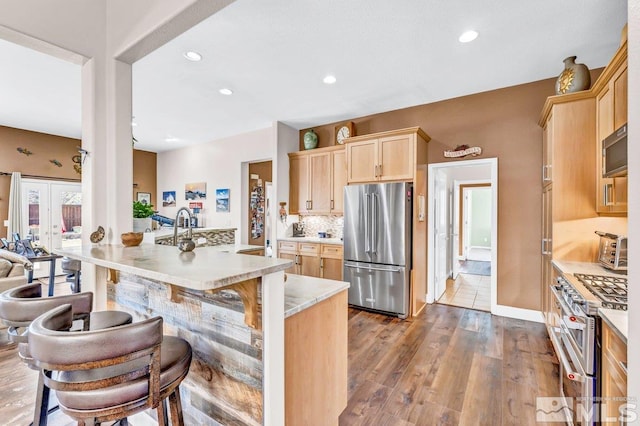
(47, 147)
(145, 176)
(44, 147)
(504, 123)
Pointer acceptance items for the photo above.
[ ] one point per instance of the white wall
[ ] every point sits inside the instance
(219, 164)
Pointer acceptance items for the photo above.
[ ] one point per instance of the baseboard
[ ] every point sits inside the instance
(518, 313)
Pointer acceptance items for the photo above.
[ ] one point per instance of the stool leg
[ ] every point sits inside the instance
(162, 414)
(76, 282)
(176, 408)
(42, 401)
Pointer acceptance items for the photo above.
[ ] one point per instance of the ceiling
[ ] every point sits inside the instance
(274, 54)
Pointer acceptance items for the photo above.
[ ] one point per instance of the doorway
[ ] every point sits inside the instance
(52, 217)
(258, 227)
(462, 233)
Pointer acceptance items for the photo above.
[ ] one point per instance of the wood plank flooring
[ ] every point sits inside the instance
(448, 366)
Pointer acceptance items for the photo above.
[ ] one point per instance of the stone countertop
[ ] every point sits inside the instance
(335, 241)
(618, 321)
(168, 231)
(205, 268)
(236, 248)
(301, 292)
(572, 267)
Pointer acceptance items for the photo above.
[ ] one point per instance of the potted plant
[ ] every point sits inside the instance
(142, 213)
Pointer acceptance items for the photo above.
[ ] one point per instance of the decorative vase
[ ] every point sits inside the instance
(574, 77)
(141, 224)
(310, 140)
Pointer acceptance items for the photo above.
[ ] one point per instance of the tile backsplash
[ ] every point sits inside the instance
(332, 225)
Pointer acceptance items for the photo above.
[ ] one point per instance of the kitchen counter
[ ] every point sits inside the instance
(572, 267)
(206, 297)
(236, 248)
(618, 321)
(301, 292)
(336, 241)
(205, 268)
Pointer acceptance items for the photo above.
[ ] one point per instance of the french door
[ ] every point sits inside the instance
(52, 213)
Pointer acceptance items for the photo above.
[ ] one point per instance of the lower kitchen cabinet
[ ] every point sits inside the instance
(331, 261)
(614, 377)
(313, 259)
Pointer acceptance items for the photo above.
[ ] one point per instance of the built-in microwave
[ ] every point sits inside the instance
(614, 154)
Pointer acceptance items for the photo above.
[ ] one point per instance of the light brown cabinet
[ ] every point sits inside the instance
(316, 179)
(611, 112)
(614, 376)
(312, 259)
(568, 184)
(331, 261)
(386, 156)
(306, 257)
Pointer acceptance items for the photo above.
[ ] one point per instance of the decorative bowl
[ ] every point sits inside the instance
(132, 239)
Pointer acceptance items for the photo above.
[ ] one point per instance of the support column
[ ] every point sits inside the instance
(107, 172)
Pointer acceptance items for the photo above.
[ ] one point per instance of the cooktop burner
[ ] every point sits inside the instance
(612, 291)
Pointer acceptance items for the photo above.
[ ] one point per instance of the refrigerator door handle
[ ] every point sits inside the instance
(371, 268)
(374, 222)
(367, 223)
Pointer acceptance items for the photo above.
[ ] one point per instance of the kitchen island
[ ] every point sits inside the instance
(231, 308)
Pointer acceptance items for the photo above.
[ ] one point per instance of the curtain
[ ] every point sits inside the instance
(15, 206)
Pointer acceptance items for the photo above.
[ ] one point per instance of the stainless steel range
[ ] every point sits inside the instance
(576, 340)
(612, 291)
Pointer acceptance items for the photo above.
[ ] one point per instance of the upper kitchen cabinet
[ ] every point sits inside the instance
(316, 180)
(568, 142)
(386, 156)
(611, 113)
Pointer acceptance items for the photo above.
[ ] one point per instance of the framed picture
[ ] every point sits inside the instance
(222, 200)
(24, 248)
(169, 199)
(144, 197)
(195, 191)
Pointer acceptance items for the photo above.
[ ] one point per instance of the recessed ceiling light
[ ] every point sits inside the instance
(226, 91)
(171, 139)
(192, 56)
(468, 36)
(330, 79)
(134, 124)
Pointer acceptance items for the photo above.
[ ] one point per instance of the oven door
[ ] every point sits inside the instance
(576, 387)
(580, 330)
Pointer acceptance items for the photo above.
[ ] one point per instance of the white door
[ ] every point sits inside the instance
(441, 233)
(466, 221)
(53, 212)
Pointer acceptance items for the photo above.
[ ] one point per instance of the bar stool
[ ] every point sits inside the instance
(109, 374)
(72, 268)
(21, 305)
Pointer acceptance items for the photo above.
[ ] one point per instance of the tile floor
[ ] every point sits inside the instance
(468, 291)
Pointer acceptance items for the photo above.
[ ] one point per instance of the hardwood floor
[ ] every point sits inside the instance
(448, 366)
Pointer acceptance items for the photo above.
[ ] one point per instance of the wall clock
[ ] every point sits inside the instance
(344, 131)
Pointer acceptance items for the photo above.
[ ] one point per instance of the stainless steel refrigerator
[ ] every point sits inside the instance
(377, 246)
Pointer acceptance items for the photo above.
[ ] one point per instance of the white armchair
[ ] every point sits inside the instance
(12, 269)
(12, 274)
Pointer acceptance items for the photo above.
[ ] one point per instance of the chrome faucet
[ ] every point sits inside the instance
(175, 225)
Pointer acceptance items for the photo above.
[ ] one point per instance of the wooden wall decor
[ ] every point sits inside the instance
(24, 151)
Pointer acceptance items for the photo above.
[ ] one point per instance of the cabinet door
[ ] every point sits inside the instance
(604, 127)
(619, 87)
(289, 256)
(338, 181)
(320, 183)
(614, 375)
(309, 259)
(362, 161)
(331, 268)
(396, 157)
(298, 184)
(547, 151)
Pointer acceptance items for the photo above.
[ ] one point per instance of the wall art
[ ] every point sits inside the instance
(195, 191)
(222, 200)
